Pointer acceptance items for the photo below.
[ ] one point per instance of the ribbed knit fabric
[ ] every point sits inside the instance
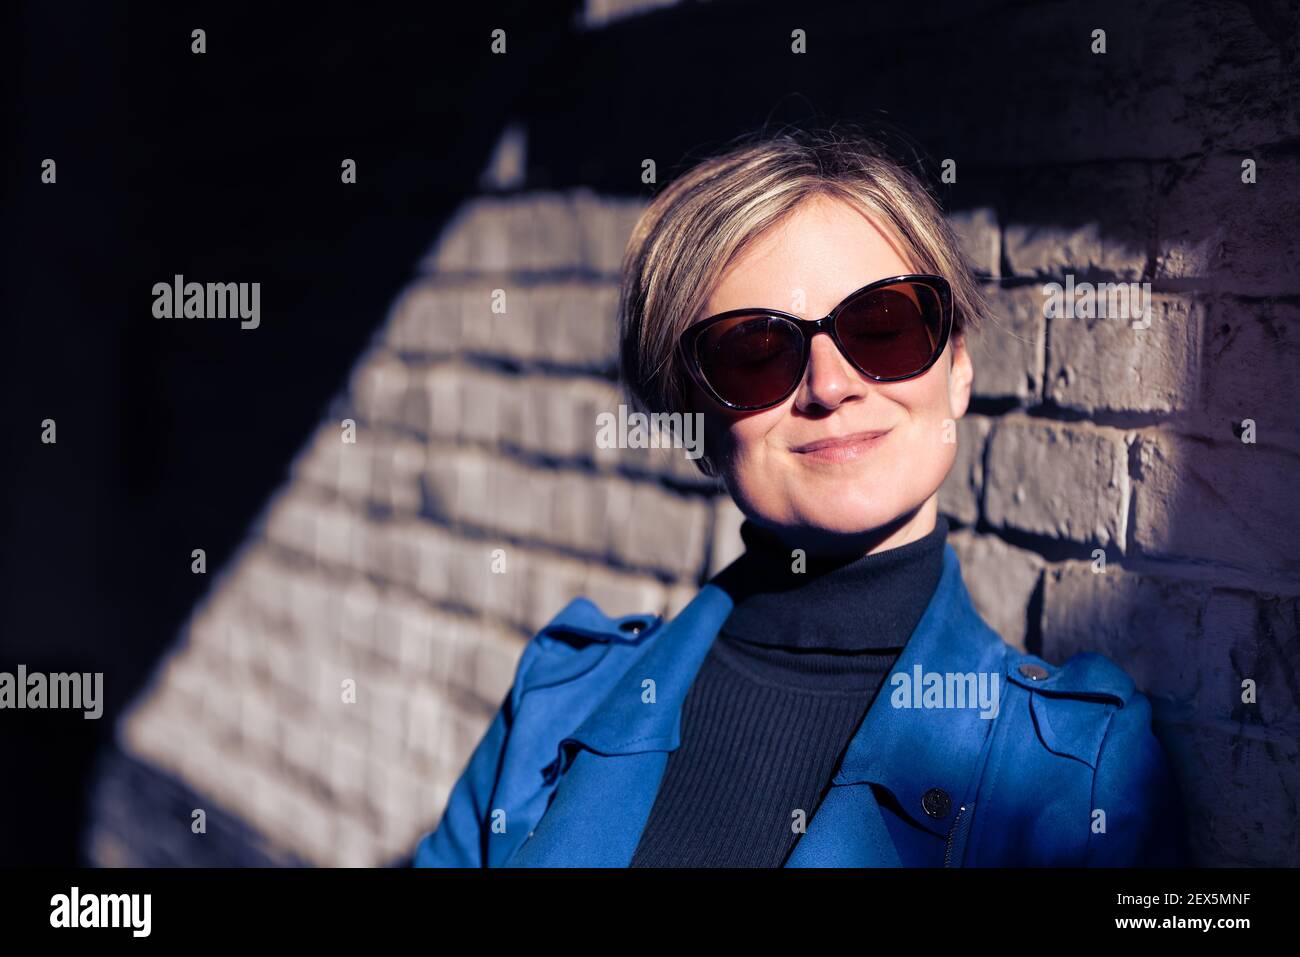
(778, 697)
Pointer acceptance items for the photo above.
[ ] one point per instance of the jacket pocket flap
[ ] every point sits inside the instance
(1070, 726)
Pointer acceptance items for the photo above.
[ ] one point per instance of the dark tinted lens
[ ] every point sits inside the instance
(892, 331)
(750, 360)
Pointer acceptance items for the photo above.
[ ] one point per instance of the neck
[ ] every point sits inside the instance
(848, 601)
(839, 546)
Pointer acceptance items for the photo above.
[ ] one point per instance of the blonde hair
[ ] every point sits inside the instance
(701, 221)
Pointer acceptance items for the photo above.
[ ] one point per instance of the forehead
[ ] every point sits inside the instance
(809, 261)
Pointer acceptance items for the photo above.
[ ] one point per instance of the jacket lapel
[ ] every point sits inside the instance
(610, 768)
(909, 751)
(848, 830)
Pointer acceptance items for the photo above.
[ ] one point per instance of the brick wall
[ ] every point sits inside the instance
(1103, 499)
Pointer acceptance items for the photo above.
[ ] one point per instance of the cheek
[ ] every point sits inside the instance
(739, 444)
(930, 439)
(744, 437)
(927, 399)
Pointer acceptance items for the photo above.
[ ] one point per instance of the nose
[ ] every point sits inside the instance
(829, 379)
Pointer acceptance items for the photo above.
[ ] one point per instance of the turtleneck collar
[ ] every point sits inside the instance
(848, 604)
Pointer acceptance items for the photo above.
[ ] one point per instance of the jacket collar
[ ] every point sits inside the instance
(624, 723)
(908, 751)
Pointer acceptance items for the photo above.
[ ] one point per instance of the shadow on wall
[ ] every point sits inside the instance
(1124, 487)
(221, 167)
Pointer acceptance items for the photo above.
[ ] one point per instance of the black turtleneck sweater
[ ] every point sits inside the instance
(785, 684)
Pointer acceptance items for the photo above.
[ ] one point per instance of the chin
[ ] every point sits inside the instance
(847, 520)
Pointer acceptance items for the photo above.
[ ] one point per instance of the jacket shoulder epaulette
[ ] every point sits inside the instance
(1072, 703)
(575, 638)
(1086, 676)
(582, 618)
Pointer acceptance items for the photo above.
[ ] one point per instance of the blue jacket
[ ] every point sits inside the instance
(1064, 772)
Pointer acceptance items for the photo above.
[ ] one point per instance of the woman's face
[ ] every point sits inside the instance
(869, 495)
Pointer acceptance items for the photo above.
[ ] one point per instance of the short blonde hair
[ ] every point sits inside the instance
(701, 221)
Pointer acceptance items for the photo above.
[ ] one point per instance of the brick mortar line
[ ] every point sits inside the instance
(531, 459)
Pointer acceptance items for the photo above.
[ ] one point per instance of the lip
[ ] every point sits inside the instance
(841, 448)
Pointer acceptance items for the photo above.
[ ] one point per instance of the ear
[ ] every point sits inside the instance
(960, 374)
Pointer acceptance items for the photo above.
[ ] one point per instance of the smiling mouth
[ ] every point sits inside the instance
(842, 448)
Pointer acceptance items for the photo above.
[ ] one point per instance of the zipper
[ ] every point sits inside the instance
(959, 828)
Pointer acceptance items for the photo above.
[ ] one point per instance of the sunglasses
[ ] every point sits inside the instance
(890, 330)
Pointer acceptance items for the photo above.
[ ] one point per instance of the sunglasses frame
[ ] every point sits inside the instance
(688, 341)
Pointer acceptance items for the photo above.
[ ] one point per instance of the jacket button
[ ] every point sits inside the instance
(936, 802)
(1033, 672)
(631, 627)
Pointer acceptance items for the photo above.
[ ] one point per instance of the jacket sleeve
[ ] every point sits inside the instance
(460, 839)
(1135, 788)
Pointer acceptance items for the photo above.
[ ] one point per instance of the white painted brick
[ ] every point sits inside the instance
(201, 759)
(426, 320)
(1053, 251)
(257, 718)
(426, 724)
(403, 634)
(355, 462)
(265, 583)
(1001, 579)
(618, 594)
(344, 764)
(432, 404)
(1214, 227)
(301, 744)
(1223, 636)
(959, 496)
(442, 653)
(518, 501)
(395, 476)
(395, 794)
(387, 715)
(1231, 503)
(536, 233)
(981, 241)
(1007, 352)
(679, 596)
(1132, 619)
(311, 826)
(495, 660)
(549, 583)
(335, 526)
(1252, 349)
(1063, 481)
(664, 530)
(358, 610)
(355, 845)
(478, 585)
(605, 224)
(1106, 364)
(378, 384)
(318, 462)
(292, 523)
(579, 516)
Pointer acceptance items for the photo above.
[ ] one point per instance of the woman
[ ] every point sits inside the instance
(830, 698)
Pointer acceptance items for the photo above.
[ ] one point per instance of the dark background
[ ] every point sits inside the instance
(221, 167)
